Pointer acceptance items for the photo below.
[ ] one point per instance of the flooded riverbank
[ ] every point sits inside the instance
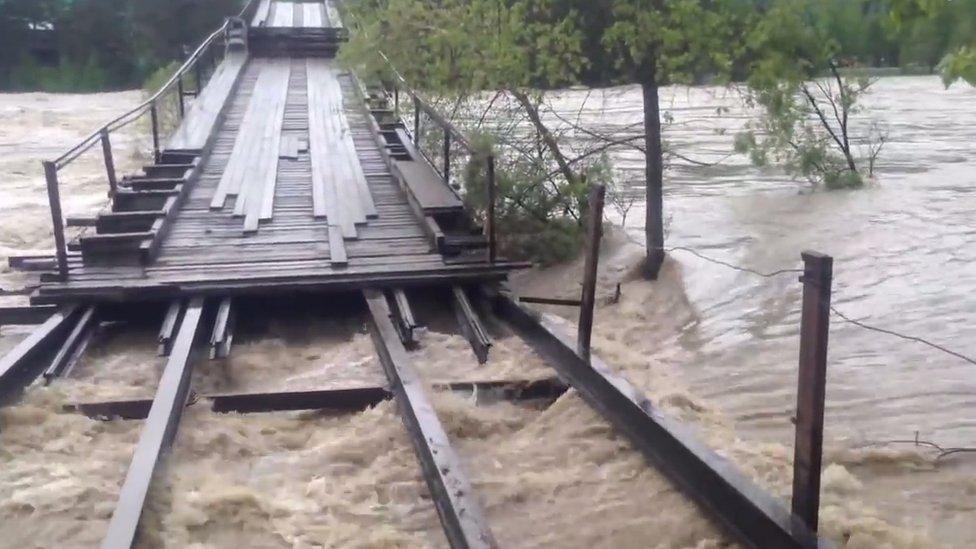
(714, 347)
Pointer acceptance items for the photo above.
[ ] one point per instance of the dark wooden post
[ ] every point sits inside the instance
(57, 220)
(490, 215)
(180, 93)
(109, 162)
(594, 230)
(154, 120)
(198, 74)
(416, 122)
(447, 156)
(396, 102)
(811, 389)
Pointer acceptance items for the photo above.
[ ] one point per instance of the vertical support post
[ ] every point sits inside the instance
(811, 391)
(113, 183)
(396, 102)
(57, 220)
(198, 74)
(447, 156)
(594, 230)
(490, 215)
(154, 119)
(180, 92)
(416, 122)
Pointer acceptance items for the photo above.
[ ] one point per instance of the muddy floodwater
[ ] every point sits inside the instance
(714, 346)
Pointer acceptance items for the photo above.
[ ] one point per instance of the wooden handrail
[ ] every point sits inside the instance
(133, 114)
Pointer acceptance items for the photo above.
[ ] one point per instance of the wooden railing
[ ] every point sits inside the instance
(451, 136)
(208, 51)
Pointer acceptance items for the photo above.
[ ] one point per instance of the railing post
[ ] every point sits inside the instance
(57, 220)
(447, 156)
(179, 93)
(109, 162)
(396, 102)
(490, 215)
(594, 230)
(811, 389)
(154, 119)
(198, 74)
(416, 122)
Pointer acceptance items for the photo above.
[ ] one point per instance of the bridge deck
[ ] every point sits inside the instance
(207, 248)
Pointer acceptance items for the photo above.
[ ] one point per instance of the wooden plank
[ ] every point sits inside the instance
(261, 15)
(157, 435)
(457, 505)
(265, 209)
(337, 248)
(202, 116)
(284, 14)
(348, 151)
(327, 199)
(430, 191)
(313, 14)
(243, 152)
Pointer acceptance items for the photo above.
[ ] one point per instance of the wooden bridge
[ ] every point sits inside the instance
(285, 174)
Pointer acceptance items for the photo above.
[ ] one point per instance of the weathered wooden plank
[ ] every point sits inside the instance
(313, 14)
(328, 198)
(284, 14)
(261, 15)
(201, 118)
(337, 248)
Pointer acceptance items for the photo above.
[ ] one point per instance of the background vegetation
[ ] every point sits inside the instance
(98, 45)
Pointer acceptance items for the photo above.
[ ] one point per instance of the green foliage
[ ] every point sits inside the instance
(66, 77)
(538, 216)
(805, 121)
(960, 64)
(94, 45)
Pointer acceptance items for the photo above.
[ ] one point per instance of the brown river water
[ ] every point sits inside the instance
(714, 346)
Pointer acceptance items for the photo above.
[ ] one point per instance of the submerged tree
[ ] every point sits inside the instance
(807, 103)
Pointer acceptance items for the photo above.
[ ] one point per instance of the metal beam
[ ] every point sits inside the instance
(470, 324)
(351, 399)
(26, 315)
(223, 331)
(169, 327)
(464, 524)
(21, 366)
(403, 318)
(754, 517)
(76, 341)
(158, 433)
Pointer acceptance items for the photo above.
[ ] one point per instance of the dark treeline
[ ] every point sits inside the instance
(93, 45)
(89, 45)
(862, 29)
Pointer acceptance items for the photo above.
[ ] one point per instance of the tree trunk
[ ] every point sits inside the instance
(654, 173)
